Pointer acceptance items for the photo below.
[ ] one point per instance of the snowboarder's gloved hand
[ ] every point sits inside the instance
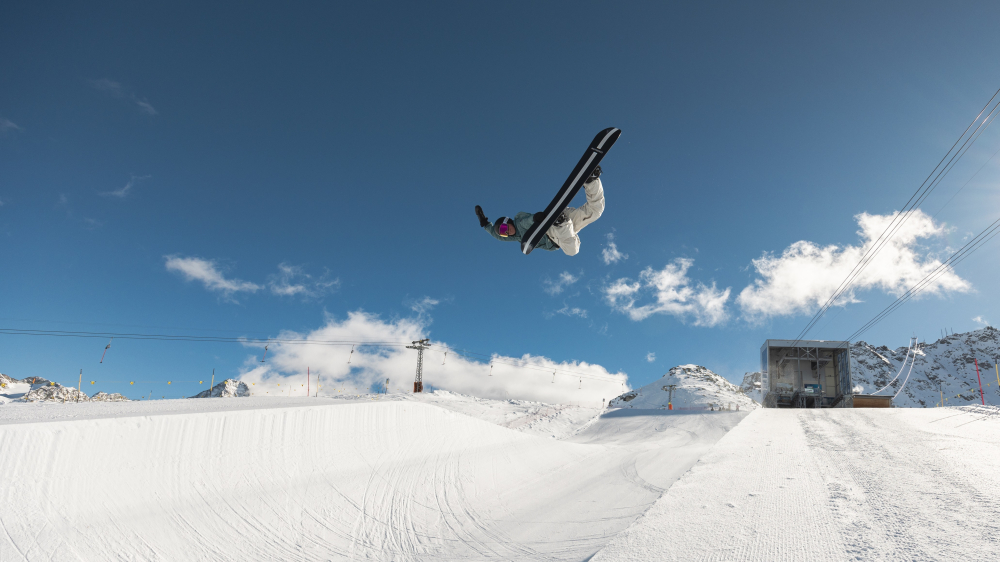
(483, 221)
(596, 174)
(538, 217)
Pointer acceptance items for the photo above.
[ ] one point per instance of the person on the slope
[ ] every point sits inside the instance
(562, 235)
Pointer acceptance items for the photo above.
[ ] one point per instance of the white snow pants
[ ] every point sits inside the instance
(565, 235)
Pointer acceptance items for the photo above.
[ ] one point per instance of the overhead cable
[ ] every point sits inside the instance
(945, 165)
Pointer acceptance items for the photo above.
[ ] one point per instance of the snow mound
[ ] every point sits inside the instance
(557, 421)
(946, 367)
(327, 478)
(229, 388)
(7, 380)
(697, 388)
(105, 397)
(55, 393)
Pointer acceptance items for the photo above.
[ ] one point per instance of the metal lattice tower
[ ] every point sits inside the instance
(420, 346)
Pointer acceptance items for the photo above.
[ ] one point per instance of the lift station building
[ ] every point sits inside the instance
(806, 374)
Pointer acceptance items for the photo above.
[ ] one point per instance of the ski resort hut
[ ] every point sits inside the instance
(805, 374)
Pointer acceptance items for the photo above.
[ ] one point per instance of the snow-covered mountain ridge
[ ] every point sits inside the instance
(945, 367)
(696, 387)
(37, 389)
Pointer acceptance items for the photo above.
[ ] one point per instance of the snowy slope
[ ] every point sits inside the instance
(697, 388)
(947, 363)
(377, 479)
(833, 485)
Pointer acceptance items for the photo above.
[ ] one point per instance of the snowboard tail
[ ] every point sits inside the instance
(584, 168)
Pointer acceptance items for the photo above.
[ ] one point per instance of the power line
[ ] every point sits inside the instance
(925, 188)
(289, 341)
(965, 251)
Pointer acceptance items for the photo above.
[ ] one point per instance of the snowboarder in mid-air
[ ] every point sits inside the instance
(562, 235)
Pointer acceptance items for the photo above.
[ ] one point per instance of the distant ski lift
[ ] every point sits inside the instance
(265, 353)
(106, 348)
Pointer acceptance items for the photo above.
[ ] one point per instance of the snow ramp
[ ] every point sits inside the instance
(833, 485)
(391, 480)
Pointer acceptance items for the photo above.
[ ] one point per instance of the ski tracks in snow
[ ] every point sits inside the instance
(831, 485)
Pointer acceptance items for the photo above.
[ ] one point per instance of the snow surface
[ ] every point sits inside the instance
(383, 477)
(697, 388)
(833, 485)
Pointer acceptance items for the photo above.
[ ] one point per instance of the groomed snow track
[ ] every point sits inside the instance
(833, 485)
(364, 481)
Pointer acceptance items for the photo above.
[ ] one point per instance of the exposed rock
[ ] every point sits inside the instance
(55, 393)
(105, 397)
(945, 368)
(229, 388)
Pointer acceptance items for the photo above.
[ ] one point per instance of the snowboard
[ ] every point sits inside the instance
(591, 158)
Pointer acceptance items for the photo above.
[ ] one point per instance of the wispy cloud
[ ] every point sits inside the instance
(424, 305)
(805, 275)
(110, 86)
(292, 280)
(208, 273)
(650, 357)
(145, 106)
(557, 286)
(981, 320)
(8, 125)
(572, 311)
(674, 295)
(610, 254)
(121, 193)
(115, 90)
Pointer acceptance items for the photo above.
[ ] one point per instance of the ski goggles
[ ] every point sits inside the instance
(505, 227)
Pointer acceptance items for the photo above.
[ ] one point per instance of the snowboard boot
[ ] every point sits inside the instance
(595, 175)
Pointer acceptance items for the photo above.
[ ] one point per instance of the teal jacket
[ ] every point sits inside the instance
(522, 222)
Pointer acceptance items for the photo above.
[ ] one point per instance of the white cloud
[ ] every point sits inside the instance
(424, 305)
(610, 254)
(981, 320)
(675, 295)
(650, 357)
(8, 125)
(121, 193)
(207, 272)
(572, 311)
(805, 275)
(559, 285)
(527, 377)
(115, 90)
(292, 280)
(145, 106)
(109, 86)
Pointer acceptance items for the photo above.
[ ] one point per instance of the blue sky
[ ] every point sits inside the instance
(248, 169)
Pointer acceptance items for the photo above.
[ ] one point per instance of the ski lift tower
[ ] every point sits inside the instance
(420, 346)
